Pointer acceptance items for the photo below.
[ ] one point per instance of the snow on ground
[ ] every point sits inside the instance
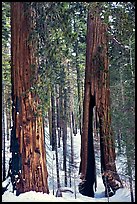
(122, 195)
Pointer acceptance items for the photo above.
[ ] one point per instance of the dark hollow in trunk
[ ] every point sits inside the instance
(86, 187)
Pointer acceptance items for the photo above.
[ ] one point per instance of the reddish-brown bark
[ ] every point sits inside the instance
(27, 119)
(97, 86)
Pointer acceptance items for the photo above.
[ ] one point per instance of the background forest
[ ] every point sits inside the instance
(60, 32)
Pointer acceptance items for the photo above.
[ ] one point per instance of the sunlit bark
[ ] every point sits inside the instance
(27, 142)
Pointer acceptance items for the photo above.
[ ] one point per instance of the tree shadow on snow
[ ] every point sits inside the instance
(100, 195)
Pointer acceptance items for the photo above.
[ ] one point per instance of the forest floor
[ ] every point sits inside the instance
(70, 193)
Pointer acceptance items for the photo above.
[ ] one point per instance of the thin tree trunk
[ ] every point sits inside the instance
(61, 110)
(50, 124)
(27, 142)
(54, 139)
(8, 116)
(71, 104)
(122, 87)
(130, 178)
(74, 126)
(78, 86)
(71, 137)
(131, 59)
(78, 80)
(53, 120)
(3, 137)
(43, 118)
(58, 117)
(59, 193)
(119, 141)
(70, 168)
(65, 137)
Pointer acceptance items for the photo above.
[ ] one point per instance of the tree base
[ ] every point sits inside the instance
(86, 189)
(109, 193)
(58, 193)
(111, 185)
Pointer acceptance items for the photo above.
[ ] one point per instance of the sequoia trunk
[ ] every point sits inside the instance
(27, 142)
(97, 94)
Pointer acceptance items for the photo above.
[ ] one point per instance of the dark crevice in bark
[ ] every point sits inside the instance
(86, 187)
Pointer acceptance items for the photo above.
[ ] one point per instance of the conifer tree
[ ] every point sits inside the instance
(97, 93)
(29, 170)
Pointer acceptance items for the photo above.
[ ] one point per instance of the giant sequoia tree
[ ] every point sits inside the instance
(27, 138)
(97, 94)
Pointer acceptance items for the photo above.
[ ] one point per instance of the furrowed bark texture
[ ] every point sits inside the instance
(29, 158)
(97, 93)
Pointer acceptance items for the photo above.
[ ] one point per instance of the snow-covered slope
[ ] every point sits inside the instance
(72, 194)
